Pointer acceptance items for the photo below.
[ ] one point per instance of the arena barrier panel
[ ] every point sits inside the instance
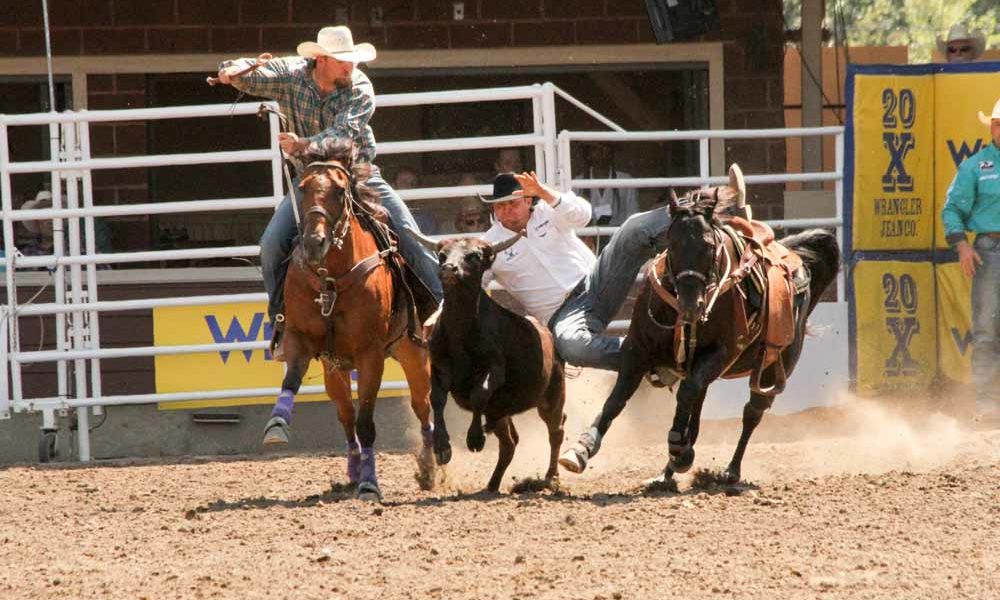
(908, 129)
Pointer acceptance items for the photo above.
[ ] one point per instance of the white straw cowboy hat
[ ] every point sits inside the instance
(337, 42)
(961, 32)
(43, 199)
(986, 119)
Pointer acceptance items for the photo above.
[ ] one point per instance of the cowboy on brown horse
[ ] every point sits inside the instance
(346, 304)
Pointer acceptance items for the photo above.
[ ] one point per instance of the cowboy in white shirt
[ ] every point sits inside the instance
(553, 274)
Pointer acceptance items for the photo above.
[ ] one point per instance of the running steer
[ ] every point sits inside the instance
(494, 362)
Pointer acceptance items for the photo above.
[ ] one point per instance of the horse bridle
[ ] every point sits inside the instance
(338, 227)
(713, 282)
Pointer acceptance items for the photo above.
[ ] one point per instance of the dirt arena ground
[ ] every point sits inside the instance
(855, 501)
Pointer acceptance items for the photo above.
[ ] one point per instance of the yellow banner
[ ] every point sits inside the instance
(954, 317)
(228, 323)
(895, 313)
(958, 134)
(893, 162)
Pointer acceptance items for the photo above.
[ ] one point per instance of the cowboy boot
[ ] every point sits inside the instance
(277, 333)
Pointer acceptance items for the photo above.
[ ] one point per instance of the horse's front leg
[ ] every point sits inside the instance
(634, 365)
(753, 411)
(481, 394)
(417, 366)
(708, 366)
(297, 357)
(338, 388)
(370, 367)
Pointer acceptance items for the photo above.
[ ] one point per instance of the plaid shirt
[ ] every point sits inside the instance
(343, 113)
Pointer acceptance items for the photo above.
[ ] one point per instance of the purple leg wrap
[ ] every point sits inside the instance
(368, 465)
(427, 433)
(353, 462)
(283, 407)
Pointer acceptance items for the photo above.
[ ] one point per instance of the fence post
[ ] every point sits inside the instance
(704, 162)
(9, 253)
(76, 281)
(90, 230)
(838, 196)
(549, 131)
(538, 128)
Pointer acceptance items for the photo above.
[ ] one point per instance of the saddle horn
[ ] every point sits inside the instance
(507, 243)
(424, 241)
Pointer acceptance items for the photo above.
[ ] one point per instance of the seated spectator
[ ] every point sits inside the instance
(407, 178)
(471, 217)
(611, 206)
(39, 239)
(508, 161)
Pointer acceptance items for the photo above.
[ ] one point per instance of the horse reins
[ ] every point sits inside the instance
(262, 60)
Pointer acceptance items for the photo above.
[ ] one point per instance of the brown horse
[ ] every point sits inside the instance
(344, 306)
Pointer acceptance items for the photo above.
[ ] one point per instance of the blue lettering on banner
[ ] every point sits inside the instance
(896, 177)
(236, 333)
(964, 151)
(898, 109)
(900, 298)
(963, 343)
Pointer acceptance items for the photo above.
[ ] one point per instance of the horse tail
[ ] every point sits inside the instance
(820, 255)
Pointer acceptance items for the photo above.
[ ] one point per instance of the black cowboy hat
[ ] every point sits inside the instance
(504, 186)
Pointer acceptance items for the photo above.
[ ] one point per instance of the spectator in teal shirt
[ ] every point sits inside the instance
(973, 204)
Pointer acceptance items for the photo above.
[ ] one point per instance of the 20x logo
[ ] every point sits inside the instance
(898, 110)
(901, 320)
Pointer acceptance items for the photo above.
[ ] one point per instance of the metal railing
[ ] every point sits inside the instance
(74, 260)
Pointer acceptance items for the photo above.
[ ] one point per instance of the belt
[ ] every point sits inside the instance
(991, 234)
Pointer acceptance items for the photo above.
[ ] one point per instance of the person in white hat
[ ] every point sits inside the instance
(973, 204)
(961, 44)
(40, 239)
(323, 94)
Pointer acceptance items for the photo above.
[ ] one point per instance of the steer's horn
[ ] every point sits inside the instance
(507, 243)
(425, 241)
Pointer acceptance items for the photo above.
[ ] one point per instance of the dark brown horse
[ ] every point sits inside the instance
(344, 305)
(720, 302)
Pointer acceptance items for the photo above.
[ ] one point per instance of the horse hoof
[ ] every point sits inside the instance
(732, 477)
(425, 469)
(475, 440)
(574, 460)
(443, 455)
(369, 492)
(276, 432)
(682, 461)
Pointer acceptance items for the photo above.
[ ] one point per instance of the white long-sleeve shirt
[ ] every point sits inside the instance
(616, 203)
(542, 268)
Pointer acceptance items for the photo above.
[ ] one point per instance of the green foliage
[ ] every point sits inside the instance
(912, 23)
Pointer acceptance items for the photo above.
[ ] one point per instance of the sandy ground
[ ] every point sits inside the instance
(856, 501)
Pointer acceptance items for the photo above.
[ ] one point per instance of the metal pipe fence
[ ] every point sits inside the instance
(75, 259)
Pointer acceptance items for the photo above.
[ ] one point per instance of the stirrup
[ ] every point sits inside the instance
(277, 333)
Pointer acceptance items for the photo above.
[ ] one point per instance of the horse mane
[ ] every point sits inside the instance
(699, 201)
(343, 151)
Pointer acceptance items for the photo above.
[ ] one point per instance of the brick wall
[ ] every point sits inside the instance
(751, 28)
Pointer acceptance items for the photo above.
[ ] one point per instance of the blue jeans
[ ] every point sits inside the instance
(986, 322)
(583, 317)
(276, 243)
